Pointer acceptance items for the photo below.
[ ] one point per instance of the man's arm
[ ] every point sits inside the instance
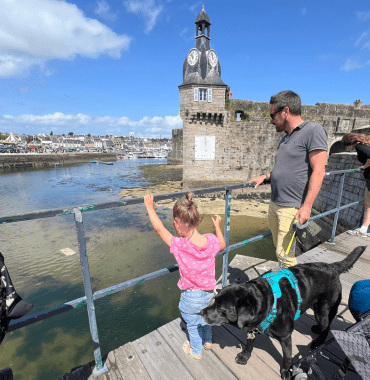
(317, 162)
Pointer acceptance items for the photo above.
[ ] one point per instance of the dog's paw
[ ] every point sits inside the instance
(242, 359)
(286, 375)
(316, 329)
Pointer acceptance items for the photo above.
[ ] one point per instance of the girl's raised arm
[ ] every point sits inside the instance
(164, 234)
(216, 221)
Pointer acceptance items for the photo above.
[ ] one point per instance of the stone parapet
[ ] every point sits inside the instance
(353, 190)
(19, 160)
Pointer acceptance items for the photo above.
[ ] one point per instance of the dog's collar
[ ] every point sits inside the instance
(273, 279)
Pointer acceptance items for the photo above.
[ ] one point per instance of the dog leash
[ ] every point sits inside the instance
(286, 252)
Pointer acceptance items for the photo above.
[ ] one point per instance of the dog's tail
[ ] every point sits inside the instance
(348, 262)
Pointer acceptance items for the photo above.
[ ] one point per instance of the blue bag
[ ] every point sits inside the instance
(359, 298)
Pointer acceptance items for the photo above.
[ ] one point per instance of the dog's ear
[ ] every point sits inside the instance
(231, 313)
(248, 306)
(218, 291)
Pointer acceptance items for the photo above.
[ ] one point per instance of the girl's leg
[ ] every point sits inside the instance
(190, 307)
(206, 330)
(193, 323)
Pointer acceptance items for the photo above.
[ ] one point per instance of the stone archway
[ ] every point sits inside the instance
(337, 148)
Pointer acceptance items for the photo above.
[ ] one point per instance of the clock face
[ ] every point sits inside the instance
(212, 58)
(193, 57)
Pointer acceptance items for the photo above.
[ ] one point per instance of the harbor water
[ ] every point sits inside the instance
(121, 245)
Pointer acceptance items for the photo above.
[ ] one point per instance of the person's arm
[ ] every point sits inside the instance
(164, 234)
(367, 164)
(259, 179)
(317, 162)
(219, 233)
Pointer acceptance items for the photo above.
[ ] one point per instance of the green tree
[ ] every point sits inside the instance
(71, 134)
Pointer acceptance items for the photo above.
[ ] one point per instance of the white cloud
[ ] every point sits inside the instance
(81, 123)
(350, 65)
(103, 10)
(361, 38)
(363, 16)
(196, 7)
(145, 9)
(33, 32)
(183, 33)
(304, 11)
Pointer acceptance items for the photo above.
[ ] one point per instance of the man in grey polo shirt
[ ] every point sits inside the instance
(298, 171)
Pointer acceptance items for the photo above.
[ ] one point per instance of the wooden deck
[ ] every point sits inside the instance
(159, 355)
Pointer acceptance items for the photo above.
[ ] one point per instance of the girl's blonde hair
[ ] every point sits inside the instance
(352, 138)
(187, 211)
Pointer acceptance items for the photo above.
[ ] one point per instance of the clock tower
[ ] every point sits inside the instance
(202, 103)
(202, 92)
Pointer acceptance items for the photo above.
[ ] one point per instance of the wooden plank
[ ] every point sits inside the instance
(158, 358)
(245, 268)
(126, 361)
(269, 349)
(147, 359)
(208, 368)
(226, 347)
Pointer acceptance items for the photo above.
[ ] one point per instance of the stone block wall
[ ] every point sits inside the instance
(353, 190)
(246, 147)
(241, 151)
(175, 156)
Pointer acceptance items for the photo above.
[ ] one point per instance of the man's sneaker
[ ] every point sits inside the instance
(357, 232)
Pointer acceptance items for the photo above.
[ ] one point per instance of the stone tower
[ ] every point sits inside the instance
(202, 99)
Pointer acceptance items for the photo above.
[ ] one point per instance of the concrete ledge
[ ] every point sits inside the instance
(19, 160)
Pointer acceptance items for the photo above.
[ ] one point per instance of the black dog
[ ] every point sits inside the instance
(247, 305)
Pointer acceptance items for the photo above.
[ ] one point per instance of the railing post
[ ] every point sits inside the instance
(339, 200)
(100, 367)
(225, 257)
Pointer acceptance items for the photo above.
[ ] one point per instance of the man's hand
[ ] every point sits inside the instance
(303, 214)
(149, 201)
(258, 180)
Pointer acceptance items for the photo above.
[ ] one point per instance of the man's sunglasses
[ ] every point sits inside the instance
(272, 115)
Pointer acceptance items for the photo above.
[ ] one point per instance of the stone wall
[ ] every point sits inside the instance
(19, 160)
(353, 190)
(246, 141)
(175, 156)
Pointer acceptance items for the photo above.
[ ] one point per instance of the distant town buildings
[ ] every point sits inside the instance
(71, 142)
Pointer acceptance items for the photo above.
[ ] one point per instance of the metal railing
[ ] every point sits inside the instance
(90, 297)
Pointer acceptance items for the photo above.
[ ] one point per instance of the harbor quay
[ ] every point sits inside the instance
(33, 160)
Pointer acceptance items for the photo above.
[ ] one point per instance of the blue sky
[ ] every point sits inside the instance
(114, 66)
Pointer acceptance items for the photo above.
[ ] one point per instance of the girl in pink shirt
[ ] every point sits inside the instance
(195, 254)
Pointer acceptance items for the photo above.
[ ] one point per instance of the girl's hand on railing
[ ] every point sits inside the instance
(216, 221)
(149, 201)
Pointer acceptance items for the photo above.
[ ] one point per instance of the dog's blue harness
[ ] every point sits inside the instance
(273, 279)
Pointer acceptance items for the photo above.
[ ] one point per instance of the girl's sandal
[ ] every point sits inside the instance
(187, 349)
(207, 346)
